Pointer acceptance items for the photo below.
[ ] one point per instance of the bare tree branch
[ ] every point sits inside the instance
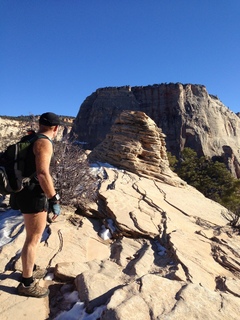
(72, 175)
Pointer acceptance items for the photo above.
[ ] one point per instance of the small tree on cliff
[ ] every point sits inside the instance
(213, 179)
(172, 161)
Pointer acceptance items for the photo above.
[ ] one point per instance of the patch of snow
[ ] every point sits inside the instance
(78, 312)
(102, 164)
(99, 167)
(9, 220)
(105, 234)
(71, 297)
(49, 276)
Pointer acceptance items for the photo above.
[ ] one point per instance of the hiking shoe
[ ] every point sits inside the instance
(34, 290)
(39, 273)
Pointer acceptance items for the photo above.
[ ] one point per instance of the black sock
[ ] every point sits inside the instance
(27, 281)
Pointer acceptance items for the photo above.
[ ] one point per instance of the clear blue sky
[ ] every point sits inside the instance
(55, 53)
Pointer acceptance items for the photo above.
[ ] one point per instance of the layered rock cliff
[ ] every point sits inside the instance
(135, 143)
(187, 115)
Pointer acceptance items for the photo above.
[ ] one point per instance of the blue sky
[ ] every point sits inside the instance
(55, 53)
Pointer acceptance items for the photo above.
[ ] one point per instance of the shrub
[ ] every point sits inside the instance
(72, 175)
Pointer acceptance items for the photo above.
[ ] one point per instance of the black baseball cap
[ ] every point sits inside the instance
(49, 119)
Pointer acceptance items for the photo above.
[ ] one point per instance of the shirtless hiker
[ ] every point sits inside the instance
(35, 200)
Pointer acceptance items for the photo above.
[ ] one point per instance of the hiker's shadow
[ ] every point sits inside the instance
(7, 282)
(8, 289)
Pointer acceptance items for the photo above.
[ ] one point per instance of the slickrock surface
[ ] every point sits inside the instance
(171, 256)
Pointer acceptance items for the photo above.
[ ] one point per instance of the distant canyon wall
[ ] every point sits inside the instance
(11, 130)
(186, 113)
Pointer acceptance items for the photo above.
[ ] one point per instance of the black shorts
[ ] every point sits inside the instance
(30, 200)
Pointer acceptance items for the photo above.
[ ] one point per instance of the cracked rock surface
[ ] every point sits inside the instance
(171, 256)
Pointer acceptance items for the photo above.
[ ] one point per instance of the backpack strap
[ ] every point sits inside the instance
(43, 136)
(34, 136)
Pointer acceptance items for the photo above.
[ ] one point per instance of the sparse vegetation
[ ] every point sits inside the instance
(172, 161)
(212, 178)
(72, 175)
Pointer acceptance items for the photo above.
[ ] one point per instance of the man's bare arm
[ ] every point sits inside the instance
(43, 153)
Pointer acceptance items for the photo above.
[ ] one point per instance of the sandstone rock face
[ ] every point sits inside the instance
(168, 253)
(187, 115)
(135, 143)
(9, 129)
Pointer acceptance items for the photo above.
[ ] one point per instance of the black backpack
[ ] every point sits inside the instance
(12, 165)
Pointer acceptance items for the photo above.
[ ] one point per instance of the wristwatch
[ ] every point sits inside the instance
(55, 198)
